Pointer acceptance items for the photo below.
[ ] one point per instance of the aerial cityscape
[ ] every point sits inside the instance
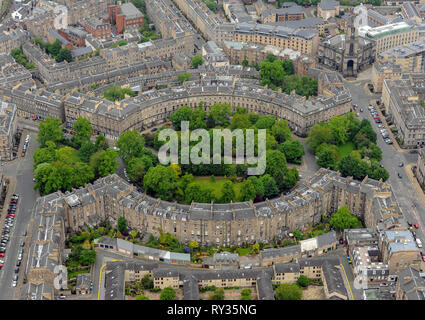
(212, 150)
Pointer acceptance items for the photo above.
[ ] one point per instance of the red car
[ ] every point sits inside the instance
(10, 214)
(423, 256)
(416, 226)
(23, 154)
(1, 255)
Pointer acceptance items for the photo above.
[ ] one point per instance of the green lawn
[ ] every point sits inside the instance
(243, 251)
(217, 185)
(345, 149)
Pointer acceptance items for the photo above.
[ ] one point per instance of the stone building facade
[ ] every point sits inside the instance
(347, 53)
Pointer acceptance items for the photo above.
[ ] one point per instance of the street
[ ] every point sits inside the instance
(22, 171)
(406, 195)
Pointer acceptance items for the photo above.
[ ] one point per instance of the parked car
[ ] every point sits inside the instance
(399, 175)
(401, 164)
(419, 243)
(416, 226)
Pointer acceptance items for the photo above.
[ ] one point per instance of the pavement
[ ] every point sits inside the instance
(22, 171)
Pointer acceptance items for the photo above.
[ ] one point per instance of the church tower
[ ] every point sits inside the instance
(350, 48)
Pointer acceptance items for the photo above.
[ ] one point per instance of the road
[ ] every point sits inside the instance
(406, 195)
(22, 171)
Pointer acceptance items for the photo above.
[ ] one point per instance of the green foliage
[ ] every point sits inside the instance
(195, 192)
(142, 297)
(101, 143)
(281, 131)
(211, 4)
(342, 219)
(248, 191)
(197, 61)
(182, 114)
(220, 113)
(228, 193)
(298, 235)
(240, 121)
(168, 293)
(83, 130)
(218, 294)
(293, 150)
(319, 133)
(288, 291)
(20, 58)
(246, 294)
(350, 166)
(104, 162)
(49, 130)
(182, 77)
(161, 181)
(303, 281)
(116, 93)
(64, 54)
(269, 185)
(326, 159)
(131, 145)
(122, 225)
(120, 43)
(265, 122)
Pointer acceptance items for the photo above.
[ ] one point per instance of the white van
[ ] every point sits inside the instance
(419, 243)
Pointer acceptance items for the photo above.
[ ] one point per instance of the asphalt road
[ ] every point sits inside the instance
(405, 193)
(22, 171)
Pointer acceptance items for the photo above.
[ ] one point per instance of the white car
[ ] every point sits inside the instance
(14, 283)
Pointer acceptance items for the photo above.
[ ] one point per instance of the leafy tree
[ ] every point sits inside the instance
(136, 170)
(240, 121)
(292, 149)
(64, 54)
(253, 118)
(258, 186)
(281, 131)
(182, 114)
(197, 61)
(220, 113)
(183, 77)
(168, 293)
(197, 193)
(376, 172)
(101, 143)
(245, 62)
(353, 167)
(107, 163)
(161, 182)
(319, 133)
(82, 174)
(49, 130)
(270, 186)
(83, 129)
(122, 225)
(265, 122)
(218, 294)
(303, 281)
(291, 178)
(43, 155)
(86, 150)
(247, 191)
(342, 219)
(197, 121)
(275, 164)
(287, 291)
(246, 294)
(228, 192)
(185, 180)
(339, 127)
(272, 73)
(131, 144)
(147, 282)
(326, 159)
(87, 257)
